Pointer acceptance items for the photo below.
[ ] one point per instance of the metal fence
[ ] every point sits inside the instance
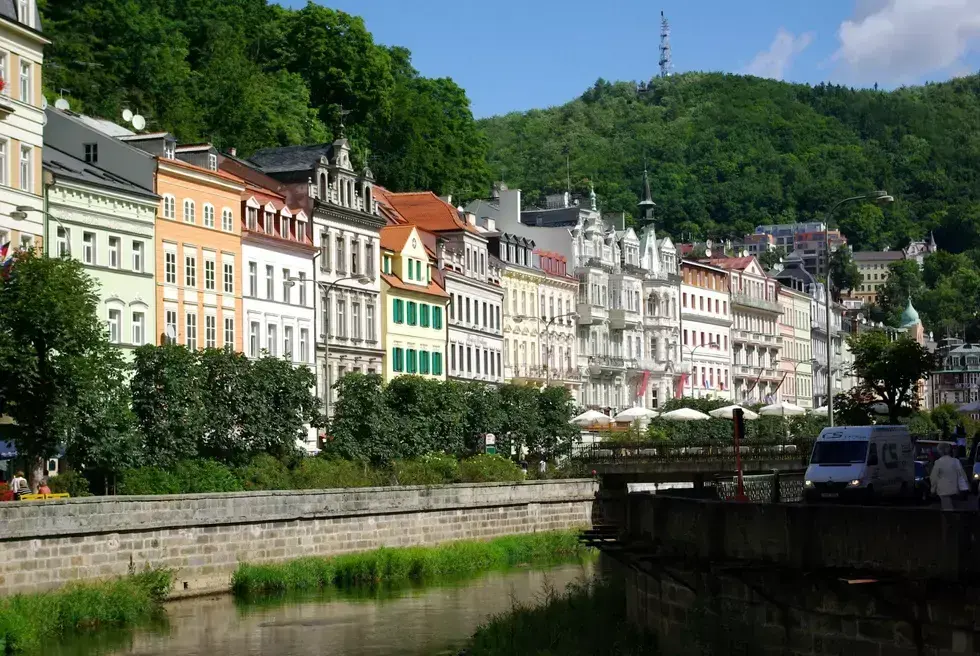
(608, 453)
(765, 488)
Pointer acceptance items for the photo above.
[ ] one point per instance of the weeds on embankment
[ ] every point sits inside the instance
(411, 565)
(587, 618)
(27, 621)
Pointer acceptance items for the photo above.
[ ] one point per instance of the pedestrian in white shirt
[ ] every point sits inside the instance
(948, 478)
(19, 485)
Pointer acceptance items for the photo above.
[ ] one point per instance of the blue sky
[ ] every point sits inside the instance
(514, 55)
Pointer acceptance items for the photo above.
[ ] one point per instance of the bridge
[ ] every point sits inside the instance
(798, 579)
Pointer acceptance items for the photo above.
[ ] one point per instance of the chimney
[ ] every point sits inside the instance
(448, 199)
(489, 224)
(233, 151)
(470, 218)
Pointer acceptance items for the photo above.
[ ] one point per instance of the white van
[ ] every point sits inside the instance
(862, 462)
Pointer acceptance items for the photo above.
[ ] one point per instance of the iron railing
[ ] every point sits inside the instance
(617, 452)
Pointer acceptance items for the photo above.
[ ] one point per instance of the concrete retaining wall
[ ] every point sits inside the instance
(44, 545)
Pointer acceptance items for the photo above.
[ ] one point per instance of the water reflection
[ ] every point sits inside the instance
(416, 622)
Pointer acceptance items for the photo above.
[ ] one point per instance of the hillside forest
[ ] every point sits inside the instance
(724, 152)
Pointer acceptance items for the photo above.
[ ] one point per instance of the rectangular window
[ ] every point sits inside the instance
(355, 318)
(229, 333)
(477, 353)
(304, 345)
(398, 310)
(170, 320)
(271, 339)
(467, 310)
(355, 248)
(341, 255)
(418, 271)
(369, 318)
(229, 278)
(210, 284)
(424, 362)
(397, 359)
(287, 287)
(190, 271)
(189, 211)
(115, 323)
(139, 328)
(486, 359)
(210, 331)
(270, 281)
(226, 220)
(287, 342)
(469, 359)
(3, 161)
(411, 366)
(424, 315)
(253, 339)
(114, 246)
(212, 161)
(208, 216)
(411, 272)
(25, 82)
(88, 247)
(485, 314)
(302, 288)
(170, 267)
(412, 313)
(3, 73)
(437, 364)
(369, 259)
(341, 318)
(138, 256)
(169, 207)
(191, 330)
(437, 317)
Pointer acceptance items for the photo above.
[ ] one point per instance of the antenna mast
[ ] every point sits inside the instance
(665, 63)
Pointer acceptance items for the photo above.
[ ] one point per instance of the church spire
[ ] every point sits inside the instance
(646, 205)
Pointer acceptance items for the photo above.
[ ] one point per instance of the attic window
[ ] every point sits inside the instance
(91, 153)
(212, 161)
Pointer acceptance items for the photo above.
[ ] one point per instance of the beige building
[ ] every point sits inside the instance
(21, 124)
(873, 266)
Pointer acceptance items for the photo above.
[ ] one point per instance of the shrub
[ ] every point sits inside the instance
(203, 476)
(487, 468)
(324, 473)
(431, 469)
(265, 473)
(148, 480)
(72, 482)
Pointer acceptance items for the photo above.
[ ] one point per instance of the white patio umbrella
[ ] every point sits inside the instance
(684, 414)
(632, 414)
(782, 409)
(727, 412)
(591, 418)
(821, 411)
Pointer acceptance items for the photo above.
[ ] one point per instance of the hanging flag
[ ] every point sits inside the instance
(680, 386)
(5, 253)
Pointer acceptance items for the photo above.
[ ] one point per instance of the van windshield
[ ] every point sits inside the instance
(845, 452)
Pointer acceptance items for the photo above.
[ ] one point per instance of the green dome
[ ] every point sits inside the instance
(909, 317)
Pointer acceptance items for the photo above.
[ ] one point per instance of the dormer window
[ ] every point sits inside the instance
(252, 223)
(212, 161)
(270, 223)
(170, 149)
(24, 14)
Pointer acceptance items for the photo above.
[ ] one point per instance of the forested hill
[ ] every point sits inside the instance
(727, 152)
(251, 74)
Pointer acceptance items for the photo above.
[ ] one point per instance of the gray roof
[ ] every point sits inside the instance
(559, 216)
(64, 165)
(877, 256)
(100, 124)
(8, 9)
(290, 158)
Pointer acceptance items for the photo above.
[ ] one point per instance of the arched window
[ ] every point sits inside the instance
(169, 207)
(368, 200)
(188, 210)
(322, 186)
(208, 215)
(226, 220)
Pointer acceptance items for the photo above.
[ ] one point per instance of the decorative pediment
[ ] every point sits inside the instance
(251, 202)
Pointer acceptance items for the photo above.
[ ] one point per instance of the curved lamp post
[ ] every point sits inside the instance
(547, 365)
(880, 197)
(20, 213)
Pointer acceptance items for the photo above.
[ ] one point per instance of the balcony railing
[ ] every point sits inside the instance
(757, 303)
(620, 319)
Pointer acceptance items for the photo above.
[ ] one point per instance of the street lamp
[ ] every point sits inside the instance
(882, 198)
(20, 214)
(547, 365)
(714, 345)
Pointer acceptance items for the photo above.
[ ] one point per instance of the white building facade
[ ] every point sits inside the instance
(706, 331)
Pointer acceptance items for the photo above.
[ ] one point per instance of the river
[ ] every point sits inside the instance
(429, 621)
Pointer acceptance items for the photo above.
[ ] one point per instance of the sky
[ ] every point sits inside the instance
(515, 55)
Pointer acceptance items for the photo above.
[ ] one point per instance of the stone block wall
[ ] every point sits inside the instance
(44, 545)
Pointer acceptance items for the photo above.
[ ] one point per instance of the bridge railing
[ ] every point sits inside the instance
(616, 452)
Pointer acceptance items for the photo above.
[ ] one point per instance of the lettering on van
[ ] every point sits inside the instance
(889, 455)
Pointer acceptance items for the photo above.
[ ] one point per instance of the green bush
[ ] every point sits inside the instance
(265, 473)
(327, 473)
(410, 565)
(148, 480)
(71, 482)
(203, 476)
(431, 469)
(487, 468)
(27, 622)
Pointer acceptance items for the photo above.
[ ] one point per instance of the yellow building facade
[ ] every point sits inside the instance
(413, 316)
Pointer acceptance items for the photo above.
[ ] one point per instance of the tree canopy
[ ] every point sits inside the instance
(890, 370)
(253, 74)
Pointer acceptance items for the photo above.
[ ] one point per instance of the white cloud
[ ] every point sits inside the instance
(776, 61)
(901, 41)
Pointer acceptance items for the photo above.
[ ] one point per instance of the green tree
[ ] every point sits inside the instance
(484, 414)
(770, 258)
(362, 427)
(844, 272)
(904, 283)
(60, 378)
(890, 370)
(555, 412)
(520, 427)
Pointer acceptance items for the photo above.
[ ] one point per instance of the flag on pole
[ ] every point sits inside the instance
(5, 253)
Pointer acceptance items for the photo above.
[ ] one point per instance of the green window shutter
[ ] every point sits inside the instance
(418, 270)
(410, 270)
(437, 364)
(396, 310)
(423, 362)
(437, 317)
(397, 357)
(412, 313)
(412, 363)
(423, 315)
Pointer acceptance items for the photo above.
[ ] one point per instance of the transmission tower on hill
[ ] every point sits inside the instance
(665, 63)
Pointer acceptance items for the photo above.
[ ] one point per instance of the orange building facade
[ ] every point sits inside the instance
(198, 256)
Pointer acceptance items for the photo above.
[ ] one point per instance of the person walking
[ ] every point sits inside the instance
(948, 479)
(19, 486)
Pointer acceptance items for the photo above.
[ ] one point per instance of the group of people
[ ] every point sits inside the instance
(19, 486)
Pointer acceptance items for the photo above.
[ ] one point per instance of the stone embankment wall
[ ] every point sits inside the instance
(44, 545)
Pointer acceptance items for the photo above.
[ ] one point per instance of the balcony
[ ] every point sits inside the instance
(746, 371)
(746, 336)
(591, 314)
(597, 263)
(609, 362)
(659, 322)
(772, 340)
(756, 303)
(620, 319)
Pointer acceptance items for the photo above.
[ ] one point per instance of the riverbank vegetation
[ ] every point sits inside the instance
(412, 565)
(29, 621)
(585, 619)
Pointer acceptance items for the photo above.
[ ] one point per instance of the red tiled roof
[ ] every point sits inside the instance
(737, 263)
(200, 169)
(393, 237)
(433, 289)
(426, 210)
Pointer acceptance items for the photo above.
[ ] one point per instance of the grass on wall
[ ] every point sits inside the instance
(411, 565)
(29, 621)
